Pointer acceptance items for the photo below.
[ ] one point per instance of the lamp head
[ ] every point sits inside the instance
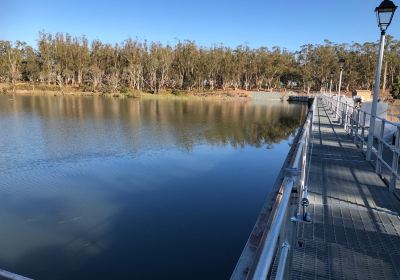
(384, 14)
(341, 63)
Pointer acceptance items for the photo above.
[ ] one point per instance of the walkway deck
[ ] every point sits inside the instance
(355, 232)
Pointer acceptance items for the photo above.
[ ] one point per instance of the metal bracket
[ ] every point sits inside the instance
(300, 218)
(292, 172)
(305, 217)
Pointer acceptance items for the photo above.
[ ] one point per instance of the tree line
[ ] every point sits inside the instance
(63, 60)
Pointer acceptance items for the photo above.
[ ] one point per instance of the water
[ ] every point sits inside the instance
(102, 188)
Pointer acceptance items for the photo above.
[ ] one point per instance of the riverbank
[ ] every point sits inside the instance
(27, 89)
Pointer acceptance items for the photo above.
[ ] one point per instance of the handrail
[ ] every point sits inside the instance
(267, 254)
(296, 177)
(12, 276)
(350, 117)
(353, 107)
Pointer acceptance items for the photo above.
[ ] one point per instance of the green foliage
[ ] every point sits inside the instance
(86, 87)
(153, 67)
(106, 88)
(396, 89)
(124, 90)
(176, 92)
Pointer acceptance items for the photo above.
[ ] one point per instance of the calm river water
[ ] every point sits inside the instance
(102, 188)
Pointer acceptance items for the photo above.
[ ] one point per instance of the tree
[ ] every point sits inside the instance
(14, 58)
(30, 66)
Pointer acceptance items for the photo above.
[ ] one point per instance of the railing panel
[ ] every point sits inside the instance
(385, 152)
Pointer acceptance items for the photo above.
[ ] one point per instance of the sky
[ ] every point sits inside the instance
(284, 23)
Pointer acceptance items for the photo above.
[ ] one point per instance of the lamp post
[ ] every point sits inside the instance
(341, 65)
(384, 14)
(330, 85)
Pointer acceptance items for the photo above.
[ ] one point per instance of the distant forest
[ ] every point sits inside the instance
(61, 60)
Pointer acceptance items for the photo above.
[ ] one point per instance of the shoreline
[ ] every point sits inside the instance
(206, 95)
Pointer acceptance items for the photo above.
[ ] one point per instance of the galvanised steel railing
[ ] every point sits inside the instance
(355, 122)
(12, 276)
(278, 239)
(386, 152)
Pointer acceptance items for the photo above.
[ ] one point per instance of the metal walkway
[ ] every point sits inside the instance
(355, 232)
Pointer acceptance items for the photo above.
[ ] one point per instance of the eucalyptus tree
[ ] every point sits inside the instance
(391, 61)
(80, 59)
(133, 54)
(46, 57)
(227, 68)
(185, 56)
(96, 71)
(13, 54)
(30, 66)
(304, 57)
(4, 46)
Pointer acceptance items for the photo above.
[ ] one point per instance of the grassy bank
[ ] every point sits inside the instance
(27, 89)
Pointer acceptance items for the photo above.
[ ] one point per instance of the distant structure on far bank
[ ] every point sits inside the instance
(364, 95)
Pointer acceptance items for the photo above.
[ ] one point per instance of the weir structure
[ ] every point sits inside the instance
(332, 214)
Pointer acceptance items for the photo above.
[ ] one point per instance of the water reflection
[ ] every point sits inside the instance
(136, 189)
(176, 122)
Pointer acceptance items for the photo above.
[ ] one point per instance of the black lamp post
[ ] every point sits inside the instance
(384, 14)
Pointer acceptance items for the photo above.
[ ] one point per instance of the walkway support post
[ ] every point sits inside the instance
(374, 107)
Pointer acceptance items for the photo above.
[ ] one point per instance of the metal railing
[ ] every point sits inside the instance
(12, 276)
(355, 122)
(385, 152)
(278, 239)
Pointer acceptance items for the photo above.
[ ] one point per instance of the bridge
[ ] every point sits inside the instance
(333, 214)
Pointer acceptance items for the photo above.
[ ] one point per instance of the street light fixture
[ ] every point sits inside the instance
(341, 65)
(384, 14)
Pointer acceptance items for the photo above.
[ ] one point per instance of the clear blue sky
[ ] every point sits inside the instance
(285, 23)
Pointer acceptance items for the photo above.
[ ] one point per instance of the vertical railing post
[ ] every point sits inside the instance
(363, 131)
(345, 115)
(349, 119)
(379, 158)
(395, 162)
(335, 103)
(356, 121)
(337, 114)
(352, 121)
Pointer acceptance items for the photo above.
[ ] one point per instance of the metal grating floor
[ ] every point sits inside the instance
(355, 232)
